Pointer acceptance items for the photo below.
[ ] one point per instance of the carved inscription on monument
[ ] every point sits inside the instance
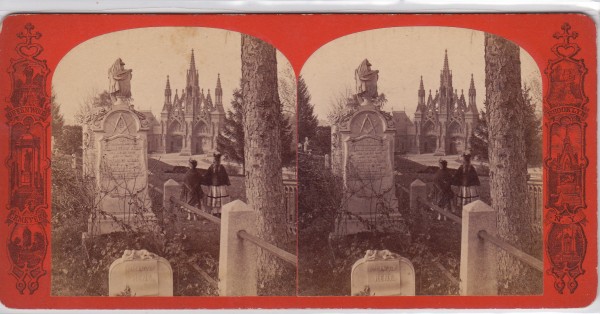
(383, 273)
(368, 158)
(122, 164)
(142, 277)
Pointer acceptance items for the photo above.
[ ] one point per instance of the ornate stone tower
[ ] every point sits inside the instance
(217, 115)
(444, 123)
(190, 122)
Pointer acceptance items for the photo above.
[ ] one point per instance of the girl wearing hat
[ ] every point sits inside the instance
(442, 181)
(467, 180)
(192, 187)
(218, 180)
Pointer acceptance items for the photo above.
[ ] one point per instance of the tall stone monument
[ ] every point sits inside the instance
(366, 141)
(117, 159)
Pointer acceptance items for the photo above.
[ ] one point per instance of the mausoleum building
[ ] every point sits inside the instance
(190, 121)
(444, 121)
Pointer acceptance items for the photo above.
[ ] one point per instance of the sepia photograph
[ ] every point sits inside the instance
(417, 142)
(161, 157)
(275, 161)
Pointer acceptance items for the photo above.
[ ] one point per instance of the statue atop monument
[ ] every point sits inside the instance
(119, 81)
(366, 81)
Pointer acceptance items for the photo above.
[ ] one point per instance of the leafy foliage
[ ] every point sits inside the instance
(307, 120)
(322, 141)
(479, 138)
(71, 140)
(231, 139)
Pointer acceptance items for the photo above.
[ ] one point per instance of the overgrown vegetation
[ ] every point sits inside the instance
(325, 263)
(80, 269)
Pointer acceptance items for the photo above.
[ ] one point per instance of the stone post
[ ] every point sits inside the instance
(74, 161)
(238, 263)
(418, 189)
(170, 188)
(478, 262)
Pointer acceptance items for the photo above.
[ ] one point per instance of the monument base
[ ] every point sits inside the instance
(114, 223)
(366, 223)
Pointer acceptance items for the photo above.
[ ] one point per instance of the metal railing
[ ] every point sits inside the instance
(290, 189)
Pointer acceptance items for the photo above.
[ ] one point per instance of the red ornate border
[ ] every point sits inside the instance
(565, 162)
(315, 30)
(27, 116)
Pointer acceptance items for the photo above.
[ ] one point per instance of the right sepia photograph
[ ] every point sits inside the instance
(420, 166)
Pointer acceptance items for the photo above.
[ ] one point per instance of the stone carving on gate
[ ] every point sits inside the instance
(27, 117)
(565, 162)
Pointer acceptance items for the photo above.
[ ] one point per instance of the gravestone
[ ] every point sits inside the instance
(383, 273)
(366, 146)
(120, 167)
(140, 273)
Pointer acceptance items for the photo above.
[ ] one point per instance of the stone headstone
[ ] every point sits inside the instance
(363, 151)
(120, 168)
(383, 273)
(115, 156)
(140, 273)
(367, 165)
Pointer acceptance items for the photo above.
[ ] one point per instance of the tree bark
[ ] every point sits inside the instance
(508, 164)
(262, 160)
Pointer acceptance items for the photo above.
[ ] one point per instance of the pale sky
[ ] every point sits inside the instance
(402, 55)
(152, 54)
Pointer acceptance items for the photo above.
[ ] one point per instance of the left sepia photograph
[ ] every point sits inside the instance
(173, 166)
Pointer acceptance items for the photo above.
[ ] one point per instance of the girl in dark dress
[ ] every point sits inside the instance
(443, 184)
(218, 180)
(468, 182)
(192, 187)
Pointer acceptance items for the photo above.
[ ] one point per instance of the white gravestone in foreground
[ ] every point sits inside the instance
(383, 273)
(140, 273)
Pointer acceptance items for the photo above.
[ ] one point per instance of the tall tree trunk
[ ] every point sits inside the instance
(508, 165)
(262, 158)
